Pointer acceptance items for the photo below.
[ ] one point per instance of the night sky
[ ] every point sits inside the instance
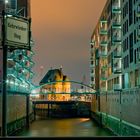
(62, 30)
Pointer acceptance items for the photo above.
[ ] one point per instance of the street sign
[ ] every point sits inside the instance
(17, 32)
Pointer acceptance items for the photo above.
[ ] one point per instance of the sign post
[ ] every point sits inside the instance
(4, 88)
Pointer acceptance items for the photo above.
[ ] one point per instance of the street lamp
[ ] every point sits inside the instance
(6, 1)
(5, 4)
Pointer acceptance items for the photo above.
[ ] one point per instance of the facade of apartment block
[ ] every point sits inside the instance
(115, 66)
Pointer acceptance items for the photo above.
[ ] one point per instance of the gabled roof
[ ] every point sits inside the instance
(53, 75)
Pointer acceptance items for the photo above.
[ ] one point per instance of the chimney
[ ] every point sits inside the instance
(61, 68)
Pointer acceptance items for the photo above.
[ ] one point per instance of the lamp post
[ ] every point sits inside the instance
(4, 85)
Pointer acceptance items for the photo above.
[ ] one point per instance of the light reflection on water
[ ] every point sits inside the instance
(74, 127)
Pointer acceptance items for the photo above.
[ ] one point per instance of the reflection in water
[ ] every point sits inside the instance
(74, 127)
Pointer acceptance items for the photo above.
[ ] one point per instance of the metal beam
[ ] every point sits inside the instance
(71, 81)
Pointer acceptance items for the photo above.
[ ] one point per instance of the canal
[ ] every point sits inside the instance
(66, 127)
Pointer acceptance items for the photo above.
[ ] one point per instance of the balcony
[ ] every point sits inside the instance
(104, 43)
(103, 89)
(30, 53)
(92, 74)
(116, 24)
(138, 33)
(92, 83)
(92, 43)
(138, 11)
(103, 78)
(116, 39)
(116, 9)
(104, 67)
(92, 51)
(103, 31)
(138, 81)
(103, 21)
(92, 65)
(10, 55)
(117, 87)
(104, 53)
(117, 54)
(31, 75)
(11, 71)
(138, 56)
(117, 70)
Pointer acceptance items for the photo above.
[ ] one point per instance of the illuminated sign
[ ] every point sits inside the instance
(17, 32)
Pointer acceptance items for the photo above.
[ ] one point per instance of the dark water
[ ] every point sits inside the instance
(74, 127)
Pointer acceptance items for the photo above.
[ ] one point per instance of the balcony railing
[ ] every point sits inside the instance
(103, 43)
(103, 31)
(138, 81)
(103, 89)
(92, 43)
(138, 11)
(104, 53)
(117, 70)
(116, 39)
(116, 24)
(92, 74)
(116, 9)
(104, 67)
(117, 87)
(103, 77)
(11, 71)
(92, 65)
(103, 21)
(117, 54)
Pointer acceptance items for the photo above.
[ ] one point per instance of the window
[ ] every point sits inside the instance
(134, 16)
(92, 79)
(131, 47)
(135, 37)
(130, 12)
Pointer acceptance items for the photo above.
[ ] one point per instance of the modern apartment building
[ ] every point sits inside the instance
(19, 62)
(115, 66)
(19, 72)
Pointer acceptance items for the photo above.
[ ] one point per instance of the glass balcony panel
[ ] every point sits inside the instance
(92, 65)
(103, 51)
(92, 74)
(103, 43)
(117, 54)
(116, 9)
(104, 67)
(117, 69)
(103, 31)
(138, 11)
(116, 6)
(116, 39)
(117, 87)
(103, 89)
(116, 24)
(11, 71)
(103, 77)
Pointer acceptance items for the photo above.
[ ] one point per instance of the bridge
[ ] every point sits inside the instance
(75, 95)
(78, 105)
